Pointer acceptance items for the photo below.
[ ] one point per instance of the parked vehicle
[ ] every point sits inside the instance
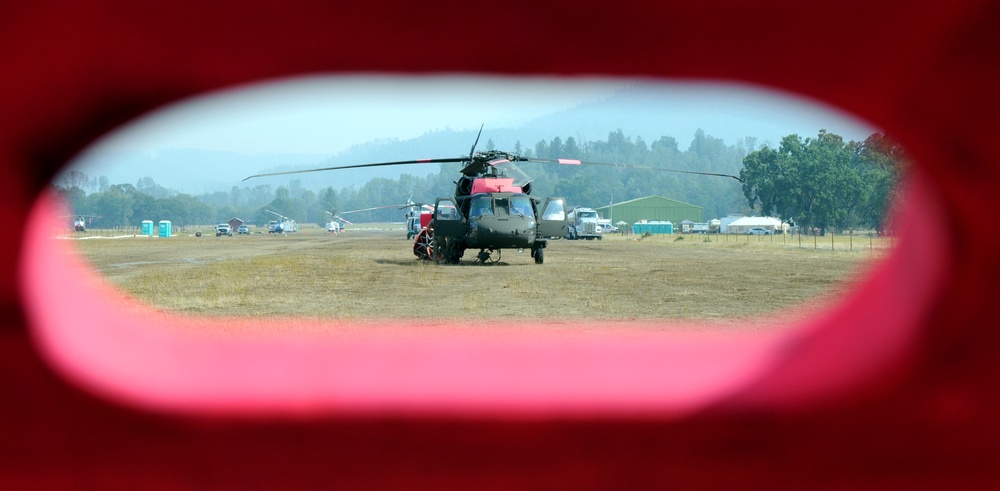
(758, 231)
(243, 230)
(223, 229)
(583, 224)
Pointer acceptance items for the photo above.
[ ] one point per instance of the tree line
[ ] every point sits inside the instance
(120, 205)
(826, 182)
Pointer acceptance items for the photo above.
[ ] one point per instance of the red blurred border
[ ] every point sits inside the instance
(927, 72)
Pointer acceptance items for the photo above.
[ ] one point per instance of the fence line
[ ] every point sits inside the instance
(828, 242)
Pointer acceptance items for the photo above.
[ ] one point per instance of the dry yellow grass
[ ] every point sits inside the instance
(373, 274)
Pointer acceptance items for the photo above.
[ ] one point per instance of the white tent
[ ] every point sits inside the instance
(743, 224)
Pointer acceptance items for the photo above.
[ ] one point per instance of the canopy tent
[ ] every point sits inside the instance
(743, 224)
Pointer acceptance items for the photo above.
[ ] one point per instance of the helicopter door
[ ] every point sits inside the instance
(448, 220)
(552, 220)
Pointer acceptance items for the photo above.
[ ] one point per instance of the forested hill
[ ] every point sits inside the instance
(126, 204)
(640, 111)
(184, 170)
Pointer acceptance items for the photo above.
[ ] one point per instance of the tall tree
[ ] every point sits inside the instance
(884, 162)
(542, 149)
(556, 148)
(115, 205)
(74, 179)
(819, 182)
(570, 149)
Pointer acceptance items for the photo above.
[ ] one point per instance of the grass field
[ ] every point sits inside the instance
(370, 272)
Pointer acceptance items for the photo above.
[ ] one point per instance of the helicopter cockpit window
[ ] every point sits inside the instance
(481, 205)
(554, 210)
(447, 212)
(521, 206)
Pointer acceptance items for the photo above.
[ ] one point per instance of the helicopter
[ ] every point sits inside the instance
(417, 219)
(282, 225)
(492, 209)
(334, 226)
(80, 221)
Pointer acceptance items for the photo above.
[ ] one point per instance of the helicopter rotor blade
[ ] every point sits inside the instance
(473, 149)
(629, 166)
(279, 215)
(399, 207)
(359, 166)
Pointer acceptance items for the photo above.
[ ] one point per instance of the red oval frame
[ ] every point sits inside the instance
(140, 355)
(924, 71)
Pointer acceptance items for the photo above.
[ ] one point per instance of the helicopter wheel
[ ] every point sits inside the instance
(422, 246)
(539, 256)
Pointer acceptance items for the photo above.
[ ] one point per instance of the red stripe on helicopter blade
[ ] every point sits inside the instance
(569, 161)
(501, 161)
(424, 160)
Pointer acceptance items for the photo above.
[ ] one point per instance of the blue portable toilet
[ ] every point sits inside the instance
(658, 228)
(147, 227)
(165, 228)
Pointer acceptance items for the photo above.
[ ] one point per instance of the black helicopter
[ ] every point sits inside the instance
(492, 208)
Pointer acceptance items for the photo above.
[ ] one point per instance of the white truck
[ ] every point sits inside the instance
(583, 224)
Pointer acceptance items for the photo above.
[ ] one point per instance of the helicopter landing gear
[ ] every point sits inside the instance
(486, 256)
(538, 254)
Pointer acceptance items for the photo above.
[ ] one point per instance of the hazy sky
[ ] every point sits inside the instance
(325, 115)
(329, 114)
